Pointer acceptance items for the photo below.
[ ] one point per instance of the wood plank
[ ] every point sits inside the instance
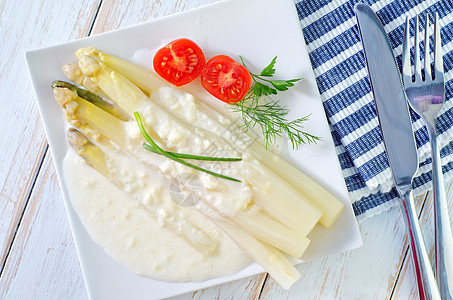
(406, 287)
(248, 288)
(43, 261)
(114, 14)
(26, 25)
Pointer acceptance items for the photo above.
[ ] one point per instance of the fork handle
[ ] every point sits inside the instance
(442, 227)
(426, 282)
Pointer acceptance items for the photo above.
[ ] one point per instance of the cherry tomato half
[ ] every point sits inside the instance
(179, 62)
(225, 79)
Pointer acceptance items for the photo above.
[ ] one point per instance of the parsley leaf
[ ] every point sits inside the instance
(269, 71)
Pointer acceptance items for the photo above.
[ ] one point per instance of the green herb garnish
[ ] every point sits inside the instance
(177, 156)
(271, 116)
(191, 156)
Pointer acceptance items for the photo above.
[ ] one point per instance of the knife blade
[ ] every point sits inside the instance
(397, 135)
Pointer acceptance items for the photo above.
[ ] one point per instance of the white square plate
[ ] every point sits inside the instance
(255, 29)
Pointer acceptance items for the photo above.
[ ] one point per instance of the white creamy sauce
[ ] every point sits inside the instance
(133, 214)
(135, 238)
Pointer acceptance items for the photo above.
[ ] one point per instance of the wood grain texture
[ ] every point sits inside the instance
(43, 263)
(119, 14)
(406, 288)
(248, 288)
(26, 25)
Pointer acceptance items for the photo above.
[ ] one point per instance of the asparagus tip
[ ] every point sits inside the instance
(89, 65)
(86, 51)
(76, 139)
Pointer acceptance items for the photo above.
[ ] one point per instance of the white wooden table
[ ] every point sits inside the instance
(38, 259)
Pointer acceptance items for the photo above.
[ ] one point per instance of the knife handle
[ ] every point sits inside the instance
(426, 282)
(443, 236)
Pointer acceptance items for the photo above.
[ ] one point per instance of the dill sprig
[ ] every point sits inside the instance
(269, 115)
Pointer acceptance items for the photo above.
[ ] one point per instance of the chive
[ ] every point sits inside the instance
(169, 155)
(190, 156)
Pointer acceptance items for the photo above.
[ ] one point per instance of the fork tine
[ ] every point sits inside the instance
(418, 69)
(438, 59)
(427, 56)
(407, 73)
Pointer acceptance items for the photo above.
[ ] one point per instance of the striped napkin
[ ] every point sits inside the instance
(333, 42)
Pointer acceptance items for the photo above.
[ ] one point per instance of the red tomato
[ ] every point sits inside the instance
(225, 79)
(179, 62)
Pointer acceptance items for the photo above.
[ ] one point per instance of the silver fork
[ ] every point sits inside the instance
(426, 97)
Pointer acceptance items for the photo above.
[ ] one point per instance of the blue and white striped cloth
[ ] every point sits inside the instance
(333, 42)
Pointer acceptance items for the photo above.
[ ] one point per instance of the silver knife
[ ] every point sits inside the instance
(399, 141)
